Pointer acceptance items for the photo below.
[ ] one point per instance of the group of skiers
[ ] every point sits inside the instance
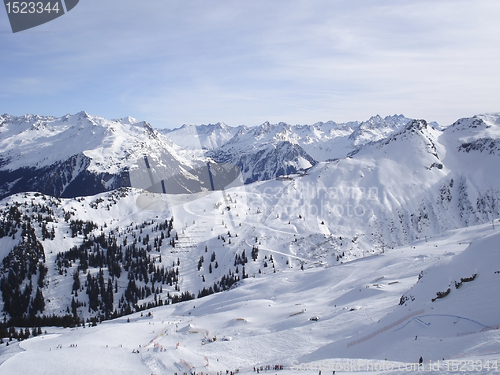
(206, 373)
(60, 346)
(268, 367)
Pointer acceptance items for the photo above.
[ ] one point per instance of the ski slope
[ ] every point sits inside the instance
(267, 320)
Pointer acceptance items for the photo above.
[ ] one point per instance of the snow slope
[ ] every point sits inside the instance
(344, 240)
(266, 320)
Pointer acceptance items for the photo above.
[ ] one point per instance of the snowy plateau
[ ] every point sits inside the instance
(347, 247)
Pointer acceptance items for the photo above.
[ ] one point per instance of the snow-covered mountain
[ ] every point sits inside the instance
(321, 141)
(265, 161)
(418, 182)
(83, 155)
(202, 136)
(372, 187)
(272, 150)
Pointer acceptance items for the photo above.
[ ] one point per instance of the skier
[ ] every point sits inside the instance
(420, 361)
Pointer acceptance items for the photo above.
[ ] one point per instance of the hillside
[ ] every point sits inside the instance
(267, 320)
(253, 217)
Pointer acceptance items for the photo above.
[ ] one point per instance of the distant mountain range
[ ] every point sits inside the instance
(84, 155)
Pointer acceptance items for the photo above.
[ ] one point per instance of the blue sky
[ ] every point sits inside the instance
(246, 62)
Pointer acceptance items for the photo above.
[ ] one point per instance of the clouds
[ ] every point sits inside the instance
(174, 62)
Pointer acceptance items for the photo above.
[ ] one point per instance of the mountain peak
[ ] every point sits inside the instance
(375, 119)
(82, 115)
(395, 117)
(415, 125)
(478, 122)
(221, 125)
(127, 120)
